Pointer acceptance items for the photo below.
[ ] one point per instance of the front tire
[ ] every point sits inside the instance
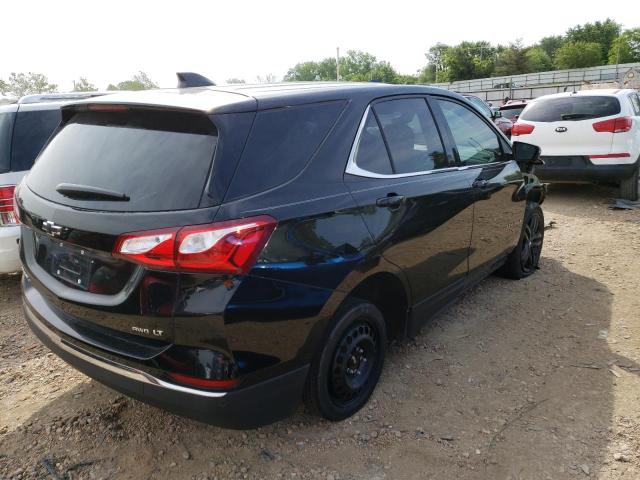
(345, 372)
(629, 186)
(524, 259)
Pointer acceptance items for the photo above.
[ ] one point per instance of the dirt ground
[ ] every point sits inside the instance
(537, 379)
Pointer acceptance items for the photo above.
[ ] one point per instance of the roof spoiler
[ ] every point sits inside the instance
(190, 79)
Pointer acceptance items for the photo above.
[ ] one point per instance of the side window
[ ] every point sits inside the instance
(635, 102)
(371, 153)
(475, 141)
(411, 135)
(31, 131)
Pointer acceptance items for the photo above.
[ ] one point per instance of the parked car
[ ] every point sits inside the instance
(587, 136)
(494, 115)
(224, 252)
(25, 126)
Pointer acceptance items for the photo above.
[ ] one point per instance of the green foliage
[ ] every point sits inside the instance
(140, 81)
(20, 84)
(468, 60)
(601, 33)
(626, 48)
(551, 44)
(512, 60)
(232, 81)
(355, 66)
(83, 85)
(578, 55)
(538, 60)
(324, 70)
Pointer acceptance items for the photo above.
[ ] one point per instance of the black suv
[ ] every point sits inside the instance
(225, 252)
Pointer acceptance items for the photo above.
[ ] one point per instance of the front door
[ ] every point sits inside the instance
(485, 158)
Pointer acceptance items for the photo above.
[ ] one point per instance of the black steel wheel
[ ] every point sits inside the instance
(353, 362)
(346, 370)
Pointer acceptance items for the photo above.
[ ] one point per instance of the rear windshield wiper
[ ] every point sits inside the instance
(575, 116)
(87, 192)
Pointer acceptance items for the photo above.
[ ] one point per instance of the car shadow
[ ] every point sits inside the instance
(515, 380)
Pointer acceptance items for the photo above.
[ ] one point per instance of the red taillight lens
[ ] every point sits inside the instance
(521, 129)
(230, 247)
(614, 125)
(8, 215)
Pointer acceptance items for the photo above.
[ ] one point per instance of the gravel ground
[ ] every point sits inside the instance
(537, 379)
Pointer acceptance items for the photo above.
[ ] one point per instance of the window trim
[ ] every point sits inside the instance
(354, 169)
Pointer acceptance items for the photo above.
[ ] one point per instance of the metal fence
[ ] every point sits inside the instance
(605, 73)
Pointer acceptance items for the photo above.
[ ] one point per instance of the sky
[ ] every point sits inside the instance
(109, 42)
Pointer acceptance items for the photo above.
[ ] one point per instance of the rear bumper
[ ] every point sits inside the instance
(9, 249)
(580, 169)
(242, 408)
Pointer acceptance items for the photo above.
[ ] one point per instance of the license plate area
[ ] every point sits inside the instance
(81, 268)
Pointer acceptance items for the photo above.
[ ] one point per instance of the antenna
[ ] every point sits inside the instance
(190, 79)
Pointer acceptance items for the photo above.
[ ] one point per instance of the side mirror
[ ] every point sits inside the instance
(497, 114)
(526, 155)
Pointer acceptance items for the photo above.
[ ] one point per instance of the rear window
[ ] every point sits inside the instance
(557, 109)
(31, 132)
(511, 112)
(6, 121)
(159, 160)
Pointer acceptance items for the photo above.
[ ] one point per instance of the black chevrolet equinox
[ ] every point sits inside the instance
(224, 252)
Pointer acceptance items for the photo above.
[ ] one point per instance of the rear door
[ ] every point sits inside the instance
(416, 204)
(485, 161)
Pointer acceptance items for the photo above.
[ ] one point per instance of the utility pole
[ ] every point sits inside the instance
(618, 61)
(337, 64)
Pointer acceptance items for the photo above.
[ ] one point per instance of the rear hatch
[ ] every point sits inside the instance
(564, 126)
(110, 170)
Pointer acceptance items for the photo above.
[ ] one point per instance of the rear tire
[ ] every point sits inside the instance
(524, 259)
(345, 372)
(629, 186)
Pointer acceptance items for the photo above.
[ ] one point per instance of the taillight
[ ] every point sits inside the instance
(614, 125)
(230, 247)
(8, 215)
(521, 129)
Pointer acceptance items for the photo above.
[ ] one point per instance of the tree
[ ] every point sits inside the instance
(355, 66)
(234, 80)
(435, 70)
(468, 60)
(626, 48)
(20, 84)
(140, 81)
(578, 55)
(551, 44)
(538, 60)
(602, 33)
(83, 85)
(512, 60)
(268, 78)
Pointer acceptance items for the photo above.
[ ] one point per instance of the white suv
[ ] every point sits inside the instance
(587, 136)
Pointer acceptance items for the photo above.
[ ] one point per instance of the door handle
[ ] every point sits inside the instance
(390, 201)
(480, 184)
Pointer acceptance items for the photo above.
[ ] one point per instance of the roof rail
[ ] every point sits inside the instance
(190, 79)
